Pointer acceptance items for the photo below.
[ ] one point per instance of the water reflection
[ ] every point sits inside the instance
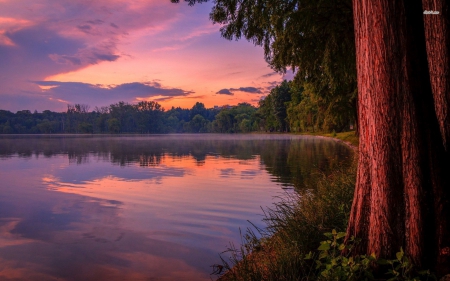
(156, 207)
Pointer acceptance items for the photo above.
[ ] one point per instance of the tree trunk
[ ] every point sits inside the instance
(437, 33)
(437, 37)
(401, 196)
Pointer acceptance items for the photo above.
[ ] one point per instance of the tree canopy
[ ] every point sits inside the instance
(314, 38)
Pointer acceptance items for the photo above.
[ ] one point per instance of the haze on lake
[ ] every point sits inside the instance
(142, 207)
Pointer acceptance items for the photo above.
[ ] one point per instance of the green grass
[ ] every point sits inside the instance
(349, 137)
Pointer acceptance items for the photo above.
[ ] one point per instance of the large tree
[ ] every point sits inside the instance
(402, 191)
(402, 59)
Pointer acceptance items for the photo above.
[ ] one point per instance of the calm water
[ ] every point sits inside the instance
(141, 207)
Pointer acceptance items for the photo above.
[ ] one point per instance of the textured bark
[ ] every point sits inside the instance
(437, 32)
(401, 196)
(437, 36)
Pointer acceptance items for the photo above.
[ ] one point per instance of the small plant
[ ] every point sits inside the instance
(402, 269)
(333, 265)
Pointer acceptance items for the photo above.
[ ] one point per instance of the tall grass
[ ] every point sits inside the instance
(294, 227)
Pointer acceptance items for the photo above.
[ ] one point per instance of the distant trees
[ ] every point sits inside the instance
(298, 108)
(288, 107)
(273, 108)
(145, 117)
(237, 119)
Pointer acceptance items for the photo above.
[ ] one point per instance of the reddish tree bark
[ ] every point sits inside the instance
(437, 33)
(437, 37)
(402, 192)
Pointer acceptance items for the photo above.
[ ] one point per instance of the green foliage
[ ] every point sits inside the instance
(290, 107)
(333, 264)
(198, 124)
(143, 117)
(114, 126)
(236, 119)
(268, 121)
(304, 116)
(280, 96)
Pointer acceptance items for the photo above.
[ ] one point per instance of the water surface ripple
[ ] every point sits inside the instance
(141, 207)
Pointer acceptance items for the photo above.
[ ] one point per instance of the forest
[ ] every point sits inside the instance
(289, 107)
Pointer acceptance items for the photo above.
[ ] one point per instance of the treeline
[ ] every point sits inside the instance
(144, 117)
(288, 107)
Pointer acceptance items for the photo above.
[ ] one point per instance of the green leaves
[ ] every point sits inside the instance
(325, 246)
(400, 254)
(334, 264)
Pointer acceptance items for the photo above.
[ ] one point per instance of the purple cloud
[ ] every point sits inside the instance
(95, 22)
(106, 57)
(52, 37)
(251, 90)
(224, 92)
(85, 28)
(270, 74)
(100, 95)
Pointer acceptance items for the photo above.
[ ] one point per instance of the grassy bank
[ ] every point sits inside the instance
(295, 227)
(348, 137)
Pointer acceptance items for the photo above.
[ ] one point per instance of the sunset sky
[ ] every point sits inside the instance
(59, 52)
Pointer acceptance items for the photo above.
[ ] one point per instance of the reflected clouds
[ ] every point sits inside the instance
(135, 207)
(250, 174)
(226, 173)
(82, 174)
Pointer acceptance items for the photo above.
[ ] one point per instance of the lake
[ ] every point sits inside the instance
(158, 207)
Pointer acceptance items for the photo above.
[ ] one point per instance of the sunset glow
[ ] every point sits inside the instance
(73, 51)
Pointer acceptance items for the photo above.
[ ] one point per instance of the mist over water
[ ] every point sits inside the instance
(158, 207)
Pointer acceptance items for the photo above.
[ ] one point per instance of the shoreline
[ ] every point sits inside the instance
(348, 143)
(272, 249)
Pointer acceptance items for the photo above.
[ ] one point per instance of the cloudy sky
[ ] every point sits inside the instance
(59, 52)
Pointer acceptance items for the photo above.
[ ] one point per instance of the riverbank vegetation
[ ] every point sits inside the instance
(349, 137)
(304, 240)
(295, 227)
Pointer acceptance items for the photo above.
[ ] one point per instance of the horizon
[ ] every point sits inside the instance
(164, 109)
(103, 52)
